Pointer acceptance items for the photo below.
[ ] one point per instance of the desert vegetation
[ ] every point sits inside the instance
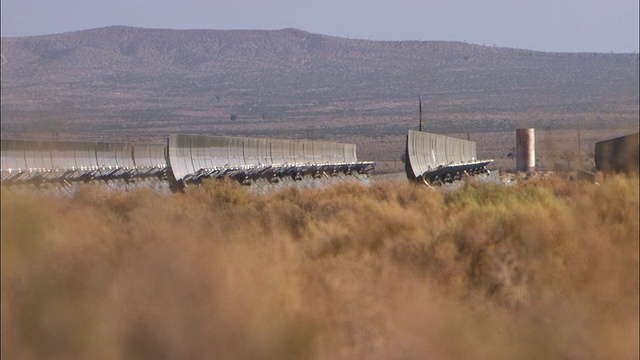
(545, 269)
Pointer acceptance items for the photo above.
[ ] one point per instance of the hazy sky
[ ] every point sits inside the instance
(547, 25)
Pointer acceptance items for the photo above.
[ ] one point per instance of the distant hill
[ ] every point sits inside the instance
(290, 83)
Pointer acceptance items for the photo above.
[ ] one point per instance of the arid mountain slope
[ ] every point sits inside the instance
(118, 81)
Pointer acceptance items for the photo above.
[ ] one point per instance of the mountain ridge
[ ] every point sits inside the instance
(127, 28)
(112, 81)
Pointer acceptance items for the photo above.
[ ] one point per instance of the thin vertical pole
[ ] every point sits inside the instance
(579, 150)
(420, 106)
(579, 143)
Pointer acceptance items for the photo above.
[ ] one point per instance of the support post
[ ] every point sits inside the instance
(420, 107)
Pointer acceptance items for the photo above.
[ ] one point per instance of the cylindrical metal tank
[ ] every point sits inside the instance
(525, 149)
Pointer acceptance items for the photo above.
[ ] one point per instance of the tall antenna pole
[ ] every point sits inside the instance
(579, 151)
(420, 105)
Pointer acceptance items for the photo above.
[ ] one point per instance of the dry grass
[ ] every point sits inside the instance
(538, 270)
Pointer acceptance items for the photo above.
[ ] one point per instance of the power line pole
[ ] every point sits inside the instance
(420, 106)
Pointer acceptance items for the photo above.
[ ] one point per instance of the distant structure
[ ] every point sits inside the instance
(61, 167)
(618, 155)
(438, 159)
(525, 149)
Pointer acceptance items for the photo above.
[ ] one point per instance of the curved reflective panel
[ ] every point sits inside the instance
(466, 151)
(218, 151)
(326, 155)
(472, 151)
(343, 152)
(452, 152)
(280, 152)
(417, 157)
(318, 155)
(256, 152)
(106, 155)
(190, 157)
(63, 155)
(149, 155)
(236, 152)
(429, 147)
(180, 156)
(289, 151)
(249, 151)
(4, 155)
(441, 150)
(427, 152)
(337, 153)
(200, 155)
(350, 155)
(297, 150)
(158, 154)
(85, 154)
(329, 153)
(13, 155)
(421, 151)
(124, 155)
(308, 153)
(38, 155)
(264, 151)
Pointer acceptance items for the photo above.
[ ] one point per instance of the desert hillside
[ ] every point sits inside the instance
(123, 83)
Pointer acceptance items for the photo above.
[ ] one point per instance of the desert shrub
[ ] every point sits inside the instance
(542, 269)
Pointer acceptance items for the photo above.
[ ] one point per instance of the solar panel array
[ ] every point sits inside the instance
(436, 158)
(42, 161)
(182, 160)
(194, 156)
